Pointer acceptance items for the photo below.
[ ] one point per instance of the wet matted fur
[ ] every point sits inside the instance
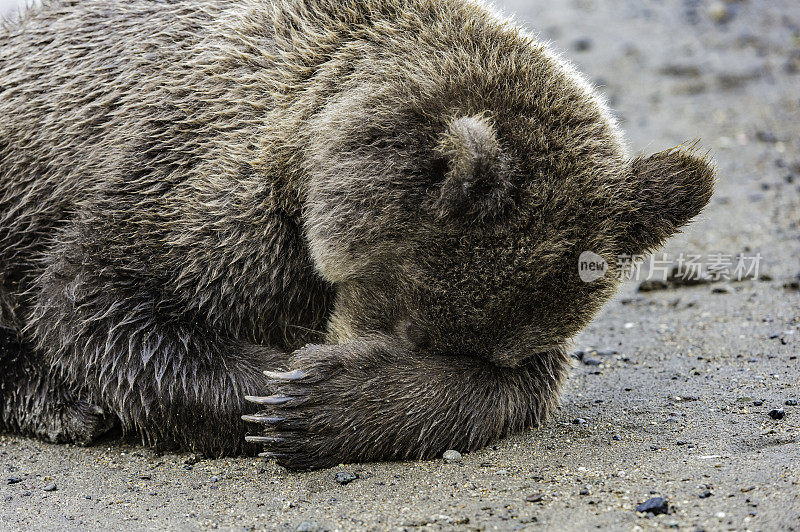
(380, 202)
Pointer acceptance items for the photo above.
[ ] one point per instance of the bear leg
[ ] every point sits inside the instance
(35, 402)
(377, 400)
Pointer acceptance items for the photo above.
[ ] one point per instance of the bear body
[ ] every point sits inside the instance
(339, 230)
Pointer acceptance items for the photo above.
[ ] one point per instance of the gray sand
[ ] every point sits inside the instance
(681, 411)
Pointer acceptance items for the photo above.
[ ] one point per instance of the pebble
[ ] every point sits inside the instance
(307, 526)
(50, 487)
(719, 12)
(534, 497)
(583, 44)
(608, 352)
(616, 437)
(791, 402)
(766, 137)
(13, 480)
(578, 421)
(344, 477)
(589, 361)
(723, 289)
(655, 506)
(777, 413)
(758, 403)
(706, 495)
(451, 456)
(652, 285)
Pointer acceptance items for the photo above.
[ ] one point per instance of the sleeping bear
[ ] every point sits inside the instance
(324, 230)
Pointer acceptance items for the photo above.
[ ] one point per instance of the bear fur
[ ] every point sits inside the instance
(346, 230)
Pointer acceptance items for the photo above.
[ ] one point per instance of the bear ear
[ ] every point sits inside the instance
(669, 188)
(476, 186)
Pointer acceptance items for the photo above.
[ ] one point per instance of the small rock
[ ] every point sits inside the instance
(685, 398)
(616, 437)
(214, 479)
(607, 352)
(706, 495)
(583, 44)
(719, 12)
(791, 402)
(679, 277)
(681, 71)
(344, 477)
(50, 487)
(534, 497)
(450, 456)
(654, 506)
(13, 480)
(777, 413)
(723, 289)
(758, 403)
(652, 286)
(578, 421)
(589, 361)
(307, 526)
(766, 136)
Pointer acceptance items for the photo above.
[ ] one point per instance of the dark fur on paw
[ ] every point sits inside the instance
(76, 422)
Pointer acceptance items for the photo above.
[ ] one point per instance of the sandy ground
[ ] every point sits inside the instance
(680, 411)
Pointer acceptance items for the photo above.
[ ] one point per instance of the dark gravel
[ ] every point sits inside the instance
(344, 477)
(654, 506)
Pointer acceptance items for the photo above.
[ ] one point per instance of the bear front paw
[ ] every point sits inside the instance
(298, 420)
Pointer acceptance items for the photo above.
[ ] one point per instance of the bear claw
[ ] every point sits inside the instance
(263, 439)
(293, 375)
(267, 454)
(267, 420)
(269, 400)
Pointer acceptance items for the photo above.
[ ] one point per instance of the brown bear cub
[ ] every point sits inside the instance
(355, 223)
